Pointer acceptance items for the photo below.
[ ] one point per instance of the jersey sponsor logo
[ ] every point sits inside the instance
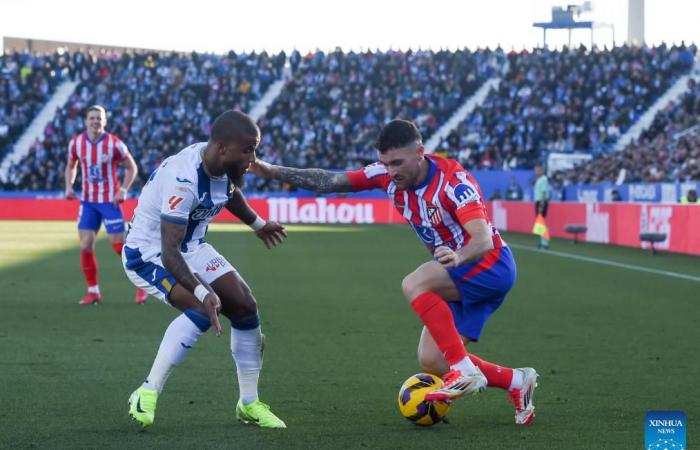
(434, 214)
(95, 174)
(174, 200)
(215, 263)
(465, 193)
(206, 213)
(183, 180)
(203, 197)
(424, 233)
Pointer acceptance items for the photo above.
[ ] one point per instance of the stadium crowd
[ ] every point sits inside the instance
(157, 103)
(331, 109)
(562, 101)
(330, 113)
(26, 83)
(668, 151)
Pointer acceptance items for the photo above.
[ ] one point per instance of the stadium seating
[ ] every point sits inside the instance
(26, 83)
(562, 101)
(330, 113)
(158, 104)
(668, 151)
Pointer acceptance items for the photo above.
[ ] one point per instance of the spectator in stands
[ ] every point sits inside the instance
(496, 195)
(615, 196)
(514, 192)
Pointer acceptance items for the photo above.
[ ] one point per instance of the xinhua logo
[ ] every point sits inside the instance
(664, 430)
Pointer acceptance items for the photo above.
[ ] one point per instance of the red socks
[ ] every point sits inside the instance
(117, 246)
(88, 262)
(496, 375)
(437, 317)
(89, 265)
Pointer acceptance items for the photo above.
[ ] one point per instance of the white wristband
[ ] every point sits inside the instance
(124, 190)
(258, 224)
(200, 292)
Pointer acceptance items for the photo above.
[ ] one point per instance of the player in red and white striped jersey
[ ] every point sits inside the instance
(99, 153)
(472, 268)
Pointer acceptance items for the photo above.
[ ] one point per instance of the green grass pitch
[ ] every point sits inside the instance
(609, 343)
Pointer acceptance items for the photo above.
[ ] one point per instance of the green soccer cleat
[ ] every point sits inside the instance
(258, 413)
(142, 405)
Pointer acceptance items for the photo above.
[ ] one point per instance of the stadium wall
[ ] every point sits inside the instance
(630, 192)
(607, 223)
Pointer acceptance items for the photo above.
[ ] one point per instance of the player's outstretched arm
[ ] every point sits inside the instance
(480, 244)
(271, 233)
(318, 180)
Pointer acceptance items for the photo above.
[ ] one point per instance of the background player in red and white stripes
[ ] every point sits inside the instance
(99, 153)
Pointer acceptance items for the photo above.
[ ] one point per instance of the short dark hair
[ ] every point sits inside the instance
(396, 134)
(98, 108)
(231, 125)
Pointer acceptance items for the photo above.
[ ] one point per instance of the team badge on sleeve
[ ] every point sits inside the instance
(173, 201)
(464, 192)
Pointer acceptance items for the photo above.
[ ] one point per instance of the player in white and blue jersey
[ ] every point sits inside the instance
(166, 254)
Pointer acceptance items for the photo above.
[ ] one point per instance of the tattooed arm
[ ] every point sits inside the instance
(171, 235)
(318, 180)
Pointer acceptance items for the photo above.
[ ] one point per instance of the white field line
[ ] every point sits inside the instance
(606, 262)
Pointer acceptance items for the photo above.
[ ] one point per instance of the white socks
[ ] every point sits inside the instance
(466, 366)
(182, 334)
(517, 382)
(179, 338)
(247, 349)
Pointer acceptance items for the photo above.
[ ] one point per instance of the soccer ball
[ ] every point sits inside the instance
(413, 405)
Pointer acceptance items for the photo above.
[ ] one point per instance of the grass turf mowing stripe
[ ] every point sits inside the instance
(608, 263)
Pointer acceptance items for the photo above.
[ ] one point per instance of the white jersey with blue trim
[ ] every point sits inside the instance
(178, 191)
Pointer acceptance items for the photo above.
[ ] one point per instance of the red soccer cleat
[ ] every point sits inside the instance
(141, 296)
(90, 299)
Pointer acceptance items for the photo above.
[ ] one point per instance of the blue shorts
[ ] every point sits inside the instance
(91, 215)
(483, 286)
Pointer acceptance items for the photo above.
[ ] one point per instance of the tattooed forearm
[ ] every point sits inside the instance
(172, 235)
(318, 180)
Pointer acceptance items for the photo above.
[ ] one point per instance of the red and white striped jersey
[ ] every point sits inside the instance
(448, 198)
(98, 163)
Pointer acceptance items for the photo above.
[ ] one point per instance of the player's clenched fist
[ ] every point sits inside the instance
(447, 257)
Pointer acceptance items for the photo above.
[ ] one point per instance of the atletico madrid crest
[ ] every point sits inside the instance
(434, 215)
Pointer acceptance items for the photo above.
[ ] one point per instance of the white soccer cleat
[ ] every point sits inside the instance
(523, 398)
(457, 384)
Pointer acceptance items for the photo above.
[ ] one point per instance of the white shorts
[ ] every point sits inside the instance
(151, 276)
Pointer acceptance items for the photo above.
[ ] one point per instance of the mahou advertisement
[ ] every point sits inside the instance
(611, 223)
